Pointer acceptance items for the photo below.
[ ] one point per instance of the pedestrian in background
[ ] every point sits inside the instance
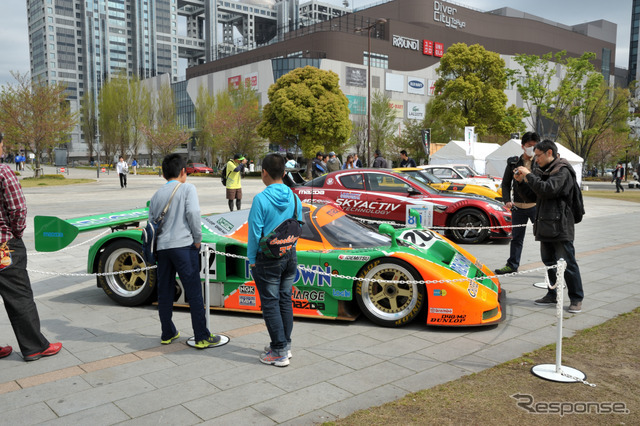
(274, 276)
(15, 285)
(406, 161)
(134, 166)
(618, 175)
(318, 168)
(554, 225)
(523, 203)
(379, 162)
(334, 163)
(348, 164)
(356, 161)
(122, 168)
(179, 251)
(234, 170)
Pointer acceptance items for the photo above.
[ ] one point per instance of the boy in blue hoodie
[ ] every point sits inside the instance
(274, 277)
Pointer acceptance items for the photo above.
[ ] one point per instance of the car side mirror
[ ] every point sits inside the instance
(389, 230)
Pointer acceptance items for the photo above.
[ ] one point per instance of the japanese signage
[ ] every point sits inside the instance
(357, 104)
(234, 82)
(356, 77)
(251, 80)
(398, 107)
(431, 88)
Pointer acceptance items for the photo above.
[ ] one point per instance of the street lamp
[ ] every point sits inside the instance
(359, 30)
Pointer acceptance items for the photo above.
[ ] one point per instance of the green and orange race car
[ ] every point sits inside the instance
(345, 268)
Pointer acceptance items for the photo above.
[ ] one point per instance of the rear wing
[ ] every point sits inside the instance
(52, 233)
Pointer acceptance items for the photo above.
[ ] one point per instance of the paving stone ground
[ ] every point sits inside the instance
(112, 368)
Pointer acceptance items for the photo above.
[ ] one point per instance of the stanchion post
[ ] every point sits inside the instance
(207, 290)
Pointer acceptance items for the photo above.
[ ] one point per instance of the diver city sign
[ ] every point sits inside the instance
(444, 13)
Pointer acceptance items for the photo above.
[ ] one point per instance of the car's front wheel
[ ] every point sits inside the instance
(130, 288)
(387, 303)
(472, 219)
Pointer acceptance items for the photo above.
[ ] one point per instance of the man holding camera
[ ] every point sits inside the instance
(523, 202)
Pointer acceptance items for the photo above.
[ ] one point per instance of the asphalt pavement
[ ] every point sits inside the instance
(112, 368)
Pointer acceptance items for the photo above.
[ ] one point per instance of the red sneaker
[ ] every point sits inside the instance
(5, 351)
(53, 349)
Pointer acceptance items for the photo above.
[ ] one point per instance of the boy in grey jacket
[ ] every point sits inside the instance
(178, 252)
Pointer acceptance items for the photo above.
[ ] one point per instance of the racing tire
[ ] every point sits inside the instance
(388, 304)
(131, 288)
(472, 218)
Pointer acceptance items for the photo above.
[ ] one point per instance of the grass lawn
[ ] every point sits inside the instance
(51, 181)
(629, 194)
(607, 354)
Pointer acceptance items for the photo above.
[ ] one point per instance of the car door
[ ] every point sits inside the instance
(387, 196)
(352, 195)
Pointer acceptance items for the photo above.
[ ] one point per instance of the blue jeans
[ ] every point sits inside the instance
(519, 217)
(274, 280)
(550, 252)
(184, 261)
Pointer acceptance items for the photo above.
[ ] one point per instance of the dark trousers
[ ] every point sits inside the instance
(123, 180)
(519, 217)
(619, 185)
(15, 289)
(274, 280)
(551, 252)
(184, 261)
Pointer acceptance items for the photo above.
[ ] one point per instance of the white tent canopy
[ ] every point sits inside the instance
(497, 160)
(455, 152)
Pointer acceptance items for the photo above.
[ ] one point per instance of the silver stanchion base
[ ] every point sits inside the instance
(223, 341)
(548, 372)
(540, 285)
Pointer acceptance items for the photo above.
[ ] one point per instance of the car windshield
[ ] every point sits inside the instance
(317, 182)
(424, 176)
(345, 232)
(423, 186)
(466, 171)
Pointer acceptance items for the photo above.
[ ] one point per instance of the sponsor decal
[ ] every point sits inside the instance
(377, 207)
(330, 181)
(53, 234)
(439, 292)
(350, 195)
(426, 214)
(224, 224)
(318, 276)
(449, 319)
(109, 218)
(247, 289)
(312, 295)
(341, 293)
(444, 13)
(309, 192)
(247, 301)
(472, 289)
(354, 257)
(440, 310)
(299, 304)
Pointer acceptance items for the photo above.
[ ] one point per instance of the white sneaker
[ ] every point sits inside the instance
(268, 349)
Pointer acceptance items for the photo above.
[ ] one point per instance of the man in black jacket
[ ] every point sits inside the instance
(523, 203)
(554, 225)
(317, 168)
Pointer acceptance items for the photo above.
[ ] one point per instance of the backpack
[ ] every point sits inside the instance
(283, 237)
(576, 204)
(223, 175)
(151, 231)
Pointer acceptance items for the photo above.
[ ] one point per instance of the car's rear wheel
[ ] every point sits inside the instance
(389, 304)
(472, 219)
(130, 288)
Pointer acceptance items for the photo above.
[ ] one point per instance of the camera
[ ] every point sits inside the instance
(516, 172)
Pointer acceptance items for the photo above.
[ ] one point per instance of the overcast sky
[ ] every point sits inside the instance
(14, 40)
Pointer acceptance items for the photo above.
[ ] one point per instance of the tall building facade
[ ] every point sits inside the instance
(633, 41)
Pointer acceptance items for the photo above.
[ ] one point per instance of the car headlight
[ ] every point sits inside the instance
(497, 207)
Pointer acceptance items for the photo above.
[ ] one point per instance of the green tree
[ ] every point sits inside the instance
(307, 104)
(383, 123)
(359, 137)
(205, 105)
(583, 106)
(139, 106)
(410, 139)
(35, 115)
(234, 121)
(470, 91)
(163, 133)
(114, 119)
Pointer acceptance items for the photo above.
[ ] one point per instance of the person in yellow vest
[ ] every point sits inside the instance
(235, 169)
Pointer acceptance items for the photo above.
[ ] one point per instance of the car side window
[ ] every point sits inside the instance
(444, 173)
(309, 232)
(386, 183)
(352, 181)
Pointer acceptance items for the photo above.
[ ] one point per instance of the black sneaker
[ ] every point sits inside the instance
(507, 269)
(547, 300)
